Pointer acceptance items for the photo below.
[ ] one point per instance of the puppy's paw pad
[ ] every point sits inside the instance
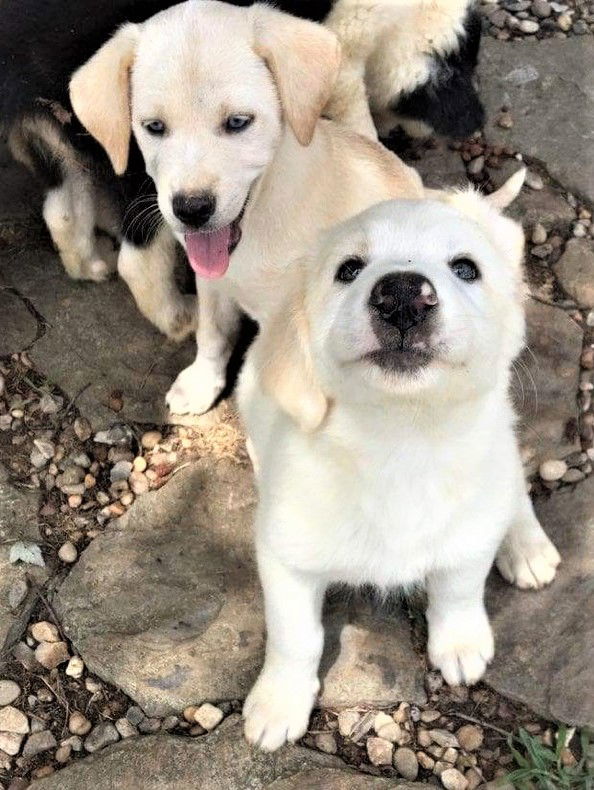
(529, 566)
(277, 712)
(462, 657)
(194, 391)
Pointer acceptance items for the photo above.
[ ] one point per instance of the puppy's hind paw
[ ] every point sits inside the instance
(462, 653)
(529, 564)
(277, 711)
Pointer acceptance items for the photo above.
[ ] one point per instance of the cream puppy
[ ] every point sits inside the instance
(376, 402)
(224, 104)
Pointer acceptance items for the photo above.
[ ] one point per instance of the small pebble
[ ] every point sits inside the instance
(125, 728)
(564, 22)
(120, 471)
(10, 742)
(505, 121)
(101, 736)
(78, 724)
(528, 26)
(425, 761)
(45, 631)
(541, 9)
(347, 720)
(573, 476)
(139, 464)
(326, 742)
(452, 779)
(379, 751)
(82, 429)
(552, 470)
(63, 753)
(406, 763)
(188, 713)
(148, 726)
(151, 439)
(67, 552)
(139, 483)
(475, 166)
(39, 742)
(75, 667)
(93, 685)
(444, 738)
(9, 691)
(75, 501)
(13, 720)
(52, 654)
(208, 716)
(470, 737)
(17, 593)
(542, 251)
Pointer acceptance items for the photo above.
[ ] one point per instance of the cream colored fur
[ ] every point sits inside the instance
(389, 478)
(387, 48)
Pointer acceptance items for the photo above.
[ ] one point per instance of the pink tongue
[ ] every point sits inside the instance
(208, 253)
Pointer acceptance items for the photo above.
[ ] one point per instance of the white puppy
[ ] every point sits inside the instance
(376, 401)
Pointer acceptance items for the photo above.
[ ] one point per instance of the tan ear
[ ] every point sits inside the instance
(283, 359)
(100, 94)
(508, 191)
(304, 59)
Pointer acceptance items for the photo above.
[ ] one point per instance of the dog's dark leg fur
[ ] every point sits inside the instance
(448, 102)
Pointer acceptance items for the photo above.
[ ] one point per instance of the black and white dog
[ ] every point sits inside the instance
(413, 63)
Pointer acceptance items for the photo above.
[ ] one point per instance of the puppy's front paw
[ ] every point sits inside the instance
(460, 647)
(195, 389)
(528, 563)
(277, 710)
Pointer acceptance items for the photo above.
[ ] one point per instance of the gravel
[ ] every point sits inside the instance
(45, 631)
(347, 721)
(470, 737)
(208, 716)
(78, 724)
(51, 654)
(452, 779)
(552, 470)
(68, 552)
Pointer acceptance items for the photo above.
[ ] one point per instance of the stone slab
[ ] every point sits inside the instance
(95, 340)
(166, 605)
(18, 521)
(219, 761)
(545, 383)
(549, 87)
(545, 639)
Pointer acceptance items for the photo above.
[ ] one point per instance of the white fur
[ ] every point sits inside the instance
(402, 479)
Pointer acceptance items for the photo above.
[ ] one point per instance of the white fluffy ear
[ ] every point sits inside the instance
(100, 94)
(283, 360)
(508, 191)
(304, 59)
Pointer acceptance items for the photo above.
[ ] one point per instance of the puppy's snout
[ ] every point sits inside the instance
(403, 299)
(194, 210)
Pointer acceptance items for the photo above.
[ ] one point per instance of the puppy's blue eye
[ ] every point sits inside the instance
(156, 128)
(349, 270)
(237, 123)
(465, 269)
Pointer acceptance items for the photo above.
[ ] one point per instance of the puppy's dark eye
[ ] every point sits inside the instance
(237, 123)
(465, 269)
(349, 270)
(156, 128)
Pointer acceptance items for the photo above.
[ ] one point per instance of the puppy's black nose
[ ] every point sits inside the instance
(194, 210)
(403, 299)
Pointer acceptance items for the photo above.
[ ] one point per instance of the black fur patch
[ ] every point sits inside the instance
(45, 162)
(448, 101)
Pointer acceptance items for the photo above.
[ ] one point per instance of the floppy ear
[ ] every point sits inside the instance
(508, 191)
(304, 59)
(100, 94)
(283, 359)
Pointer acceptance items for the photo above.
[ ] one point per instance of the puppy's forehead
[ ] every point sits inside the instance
(414, 228)
(194, 42)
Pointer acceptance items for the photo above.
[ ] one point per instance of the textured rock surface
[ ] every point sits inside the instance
(220, 761)
(545, 382)
(156, 602)
(549, 89)
(18, 521)
(545, 640)
(575, 271)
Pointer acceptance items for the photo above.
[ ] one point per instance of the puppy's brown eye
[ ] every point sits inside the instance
(349, 270)
(465, 269)
(156, 128)
(237, 123)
